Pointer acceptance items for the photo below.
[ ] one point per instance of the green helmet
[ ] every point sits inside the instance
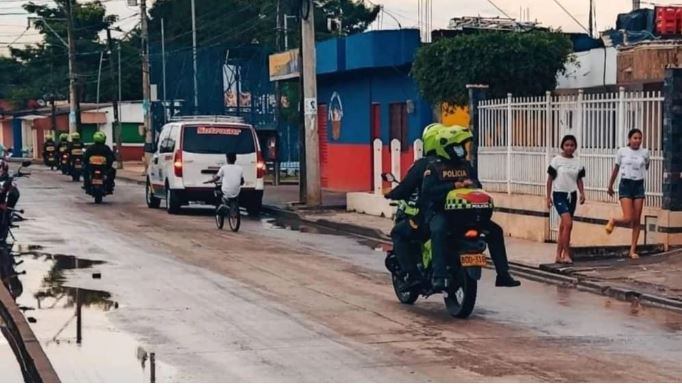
(429, 137)
(451, 142)
(75, 136)
(99, 137)
(63, 136)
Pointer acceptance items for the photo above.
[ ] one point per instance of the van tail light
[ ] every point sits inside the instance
(260, 165)
(177, 163)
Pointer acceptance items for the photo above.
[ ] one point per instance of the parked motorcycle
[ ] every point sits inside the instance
(468, 210)
(97, 186)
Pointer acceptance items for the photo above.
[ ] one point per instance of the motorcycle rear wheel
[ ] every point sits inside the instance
(460, 298)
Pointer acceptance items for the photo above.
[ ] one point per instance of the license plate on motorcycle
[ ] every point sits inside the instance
(97, 182)
(473, 260)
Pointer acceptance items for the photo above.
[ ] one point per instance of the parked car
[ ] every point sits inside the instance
(190, 150)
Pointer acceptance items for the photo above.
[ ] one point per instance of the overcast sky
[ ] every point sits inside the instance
(544, 11)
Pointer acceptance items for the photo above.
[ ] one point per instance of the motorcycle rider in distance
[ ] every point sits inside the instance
(450, 170)
(409, 230)
(49, 147)
(62, 143)
(74, 148)
(99, 148)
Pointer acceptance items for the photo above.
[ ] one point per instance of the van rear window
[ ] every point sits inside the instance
(218, 140)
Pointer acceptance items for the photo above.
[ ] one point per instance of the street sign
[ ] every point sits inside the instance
(310, 106)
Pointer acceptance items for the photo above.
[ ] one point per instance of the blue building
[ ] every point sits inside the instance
(365, 92)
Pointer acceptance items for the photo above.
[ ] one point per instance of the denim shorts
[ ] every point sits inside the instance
(631, 189)
(565, 202)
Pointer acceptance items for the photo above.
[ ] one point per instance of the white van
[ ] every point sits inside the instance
(189, 152)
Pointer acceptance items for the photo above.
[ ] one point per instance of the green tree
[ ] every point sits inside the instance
(524, 64)
(235, 22)
(42, 69)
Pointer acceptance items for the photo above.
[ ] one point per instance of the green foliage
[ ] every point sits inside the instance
(521, 63)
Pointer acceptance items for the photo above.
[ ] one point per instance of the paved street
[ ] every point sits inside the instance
(277, 304)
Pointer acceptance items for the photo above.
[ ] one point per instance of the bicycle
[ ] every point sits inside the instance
(227, 207)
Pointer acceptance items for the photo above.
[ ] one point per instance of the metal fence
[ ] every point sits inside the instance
(519, 136)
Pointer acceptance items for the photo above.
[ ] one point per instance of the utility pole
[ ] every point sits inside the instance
(591, 18)
(194, 59)
(278, 93)
(114, 99)
(146, 86)
(119, 164)
(74, 105)
(312, 147)
(163, 57)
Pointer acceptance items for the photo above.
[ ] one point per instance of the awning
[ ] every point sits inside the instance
(93, 117)
(32, 117)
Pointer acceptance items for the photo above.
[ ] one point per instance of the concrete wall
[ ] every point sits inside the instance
(588, 71)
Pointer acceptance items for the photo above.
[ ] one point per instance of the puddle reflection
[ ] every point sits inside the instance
(73, 323)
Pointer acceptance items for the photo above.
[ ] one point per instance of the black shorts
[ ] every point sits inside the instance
(565, 202)
(631, 189)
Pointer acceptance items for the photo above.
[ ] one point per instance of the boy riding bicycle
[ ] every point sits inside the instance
(231, 177)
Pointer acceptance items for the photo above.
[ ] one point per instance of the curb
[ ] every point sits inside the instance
(129, 179)
(35, 366)
(530, 272)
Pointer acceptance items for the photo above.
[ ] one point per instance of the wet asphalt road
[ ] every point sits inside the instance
(272, 304)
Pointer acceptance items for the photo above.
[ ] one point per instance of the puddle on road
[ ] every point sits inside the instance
(72, 323)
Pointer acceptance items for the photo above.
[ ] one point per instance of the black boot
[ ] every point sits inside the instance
(439, 284)
(506, 280)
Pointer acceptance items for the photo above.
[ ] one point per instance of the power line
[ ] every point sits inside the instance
(570, 15)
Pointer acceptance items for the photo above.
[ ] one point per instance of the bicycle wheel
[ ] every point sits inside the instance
(234, 216)
(219, 218)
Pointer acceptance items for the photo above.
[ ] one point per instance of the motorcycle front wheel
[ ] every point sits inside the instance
(405, 296)
(460, 297)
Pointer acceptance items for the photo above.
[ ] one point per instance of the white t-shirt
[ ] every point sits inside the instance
(231, 177)
(633, 164)
(566, 172)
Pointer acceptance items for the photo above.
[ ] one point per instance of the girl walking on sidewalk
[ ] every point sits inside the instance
(565, 178)
(632, 163)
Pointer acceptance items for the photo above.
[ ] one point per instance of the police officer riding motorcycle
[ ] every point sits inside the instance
(409, 230)
(75, 150)
(50, 152)
(98, 167)
(447, 172)
(420, 266)
(63, 153)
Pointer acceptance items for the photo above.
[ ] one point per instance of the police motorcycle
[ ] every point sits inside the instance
(97, 187)
(76, 163)
(474, 207)
(51, 156)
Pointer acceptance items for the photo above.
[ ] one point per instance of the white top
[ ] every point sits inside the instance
(633, 164)
(566, 172)
(231, 177)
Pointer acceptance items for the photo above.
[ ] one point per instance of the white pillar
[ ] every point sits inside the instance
(395, 159)
(377, 148)
(418, 149)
